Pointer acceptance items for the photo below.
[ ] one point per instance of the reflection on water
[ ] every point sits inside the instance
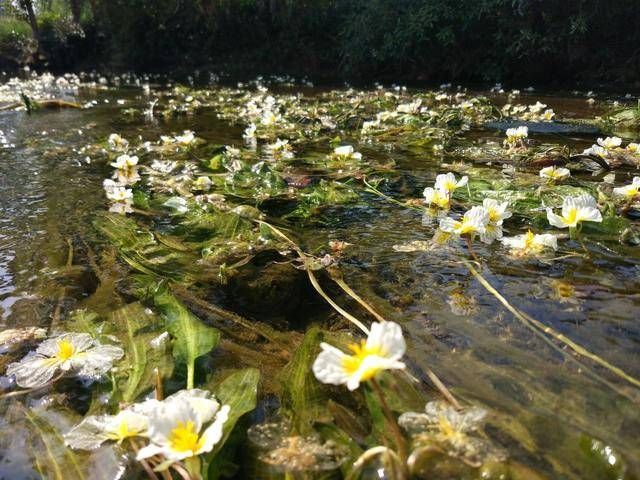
(549, 411)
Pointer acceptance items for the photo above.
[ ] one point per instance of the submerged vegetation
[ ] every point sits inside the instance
(227, 335)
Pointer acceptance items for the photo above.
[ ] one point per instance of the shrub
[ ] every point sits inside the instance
(16, 41)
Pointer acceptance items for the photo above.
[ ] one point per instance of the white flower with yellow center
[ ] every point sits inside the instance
(121, 207)
(555, 174)
(517, 135)
(444, 424)
(346, 152)
(610, 143)
(382, 350)
(634, 147)
(281, 148)
(186, 139)
(94, 430)
(473, 222)
(574, 211)
(269, 118)
(446, 182)
(596, 150)
(119, 194)
(436, 197)
(548, 115)
(530, 243)
(116, 142)
(628, 191)
(497, 210)
(184, 425)
(125, 162)
(76, 352)
(129, 176)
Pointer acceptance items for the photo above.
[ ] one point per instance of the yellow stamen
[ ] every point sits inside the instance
(353, 362)
(185, 438)
(66, 350)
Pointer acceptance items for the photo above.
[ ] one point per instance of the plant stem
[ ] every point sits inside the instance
(471, 251)
(401, 443)
(190, 375)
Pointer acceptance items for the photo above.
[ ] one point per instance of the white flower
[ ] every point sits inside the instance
(555, 173)
(530, 243)
(634, 147)
(575, 210)
(94, 430)
(76, 352)
(270, 118)
(492, 232)
(537, 108)
(548, 115)
(610, 143)
(126, 177)
(281, 148)
(186, 139)
(250, 131)
(346, 152)
(382, 350)
(517, 134)
(124, 162)
(436, 197)
(446, 182)
(116, 142)
(596, 150)
(497, 211)
(231, 151)
(121, 207)
(628, 191)
(177, 426)
(473, 222)
(118, 193)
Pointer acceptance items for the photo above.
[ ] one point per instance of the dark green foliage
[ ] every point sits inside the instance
(527, 40)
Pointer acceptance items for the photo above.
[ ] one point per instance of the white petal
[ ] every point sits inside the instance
(97, 361)
(589, 214)
(89, 434)
(555, 220)
(149, 451)
(213, 433)
(387, 338)
(33, 371)
(328, 367)
(449, 224)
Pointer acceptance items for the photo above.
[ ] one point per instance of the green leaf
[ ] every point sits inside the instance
(192, 338)
(143, 354)
(303, 398)
(240, 391)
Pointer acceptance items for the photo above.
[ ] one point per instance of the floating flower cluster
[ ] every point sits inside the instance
(440, 194)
